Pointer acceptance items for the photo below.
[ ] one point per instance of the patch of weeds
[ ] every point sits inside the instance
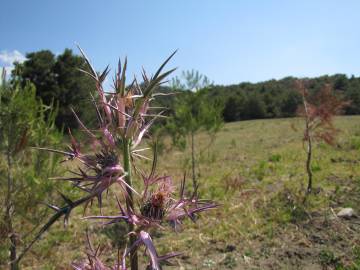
(275, 158)
(322, 145)
(298, 213)
(265, 251)
(229, 261)
(260, 170)
(269, 230)
(232, 183)
(216, 192)
(213, 156)
(209, 263)
(3, 254)
(315, 167)
(328, 259)
(248, 253)
(233, 143)
(286, 207)
(355, 143)
(356, 253)
(208, 157)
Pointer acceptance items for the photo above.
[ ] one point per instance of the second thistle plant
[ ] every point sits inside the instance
(124, 118)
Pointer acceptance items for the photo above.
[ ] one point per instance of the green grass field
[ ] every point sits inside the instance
(255, 170)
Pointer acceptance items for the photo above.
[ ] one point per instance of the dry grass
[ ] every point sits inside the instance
(255, 169)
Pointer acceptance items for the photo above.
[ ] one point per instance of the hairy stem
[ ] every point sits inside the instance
(130, 204)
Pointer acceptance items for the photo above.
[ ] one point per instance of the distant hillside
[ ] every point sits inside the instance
(273, 98)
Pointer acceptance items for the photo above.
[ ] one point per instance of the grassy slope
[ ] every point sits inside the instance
(255, 169)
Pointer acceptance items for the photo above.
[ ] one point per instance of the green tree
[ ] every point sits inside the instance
(58, 80)
(193, 111)
(353, 94)
(254, 107)
(38, 69)
(232, 108)
(273, 98)
(290, 103)
(22, 124)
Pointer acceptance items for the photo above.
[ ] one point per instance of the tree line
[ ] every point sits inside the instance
(58, 79)
(281, 98)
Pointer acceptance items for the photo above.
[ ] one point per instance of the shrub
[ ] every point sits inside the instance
(24, 122)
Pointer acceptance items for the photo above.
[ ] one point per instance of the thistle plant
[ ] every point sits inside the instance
(107, 158)
(318, 112)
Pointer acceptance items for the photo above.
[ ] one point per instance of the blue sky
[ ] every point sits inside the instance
(230, 41)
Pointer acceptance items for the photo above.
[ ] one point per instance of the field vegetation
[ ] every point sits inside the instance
(256, 170)
(280, 193)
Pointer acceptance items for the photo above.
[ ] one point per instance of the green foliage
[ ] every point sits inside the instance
(230, 262)
(58, 80)
(327, 258)
(279, 98)
(193, 111)
(232, 108)
(254, 107)
(275, 158)
(24, 122)
(286, 207)
(356, 253)
(269, 99)
(355, 142)
(260, 170)
(315, 167)
(191, 80)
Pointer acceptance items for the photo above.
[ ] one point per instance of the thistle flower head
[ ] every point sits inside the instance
(159, 207)
(155, 204)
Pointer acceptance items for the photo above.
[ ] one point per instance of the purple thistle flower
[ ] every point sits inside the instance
(159, 207)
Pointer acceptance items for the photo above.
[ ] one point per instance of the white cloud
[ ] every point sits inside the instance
(7, 59)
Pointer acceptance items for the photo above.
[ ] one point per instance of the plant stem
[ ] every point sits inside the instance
(9, 210)
(309, 147)
(308, 164)
(14, 265)
(193, 160)
(130, 203)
